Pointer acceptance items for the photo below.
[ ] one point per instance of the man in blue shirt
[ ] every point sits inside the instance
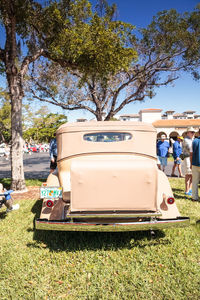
(195, 167)
(177, 150)
(53, 154)
(162, 152)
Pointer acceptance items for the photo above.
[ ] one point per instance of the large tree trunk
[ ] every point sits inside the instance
(99, 115)
(14, 80)
(17, 170)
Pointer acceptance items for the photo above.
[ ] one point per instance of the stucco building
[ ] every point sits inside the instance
(169, 123)
(173, 128)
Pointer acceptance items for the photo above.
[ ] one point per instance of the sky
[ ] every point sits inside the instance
(185, 93)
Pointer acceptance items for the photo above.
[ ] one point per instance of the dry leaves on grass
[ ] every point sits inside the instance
(33, 193)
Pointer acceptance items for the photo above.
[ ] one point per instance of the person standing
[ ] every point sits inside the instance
(177, 151)
(195, 156)
(162, 152)
(187, 149)
(53, 154)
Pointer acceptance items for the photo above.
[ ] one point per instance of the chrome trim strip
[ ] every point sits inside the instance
(111, 227)
(113, 215)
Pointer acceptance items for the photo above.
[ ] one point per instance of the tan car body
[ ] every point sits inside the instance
(110, 180)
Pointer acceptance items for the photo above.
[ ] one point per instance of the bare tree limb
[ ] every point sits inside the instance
(29, 59)
(63, 105)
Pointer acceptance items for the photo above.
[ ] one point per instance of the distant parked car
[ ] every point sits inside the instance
(33, 148)
(42, 147)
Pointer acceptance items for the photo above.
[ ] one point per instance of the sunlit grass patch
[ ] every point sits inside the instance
(29, 182)
(81, 265)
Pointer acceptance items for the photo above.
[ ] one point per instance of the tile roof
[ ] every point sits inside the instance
(189, 111)
(179, 115)
(151, 110)
(130, 115)
(177, 123)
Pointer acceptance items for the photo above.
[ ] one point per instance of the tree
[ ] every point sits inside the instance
(29, 119)
(13, 14)
(43, 125)
(169, 45)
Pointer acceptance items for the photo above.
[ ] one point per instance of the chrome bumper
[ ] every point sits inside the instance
(41, 224)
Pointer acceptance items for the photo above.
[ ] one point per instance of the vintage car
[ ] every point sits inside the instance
(107, 180)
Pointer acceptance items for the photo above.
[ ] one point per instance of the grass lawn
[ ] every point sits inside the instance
(80, 265)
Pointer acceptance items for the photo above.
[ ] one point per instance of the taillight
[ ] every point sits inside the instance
(170, 200)
(49, 203)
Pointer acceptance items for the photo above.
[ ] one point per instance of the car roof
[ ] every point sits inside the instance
(106, 125)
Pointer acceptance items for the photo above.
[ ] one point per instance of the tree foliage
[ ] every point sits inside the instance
(93, 43)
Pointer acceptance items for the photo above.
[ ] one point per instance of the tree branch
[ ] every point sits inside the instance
(63, 105)
(62, 62)
(29, 59)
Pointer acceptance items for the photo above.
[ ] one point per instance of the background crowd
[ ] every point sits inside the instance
(186, 154)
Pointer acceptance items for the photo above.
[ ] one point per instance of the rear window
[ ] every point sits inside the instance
(107, 137)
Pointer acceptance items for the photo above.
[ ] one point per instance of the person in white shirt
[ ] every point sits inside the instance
(187, 148)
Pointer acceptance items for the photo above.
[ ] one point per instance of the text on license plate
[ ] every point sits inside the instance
(50, 192)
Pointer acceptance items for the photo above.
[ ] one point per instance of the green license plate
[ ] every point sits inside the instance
(50, 192)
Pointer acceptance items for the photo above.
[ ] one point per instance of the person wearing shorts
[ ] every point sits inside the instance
(187, 149)
(53, 155)
(162, 152)
(177, 151)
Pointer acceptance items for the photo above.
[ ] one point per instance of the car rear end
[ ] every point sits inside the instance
(110, 182)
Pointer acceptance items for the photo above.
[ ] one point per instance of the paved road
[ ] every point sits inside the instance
(37, 166)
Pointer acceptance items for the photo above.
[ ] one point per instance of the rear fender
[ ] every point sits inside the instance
(164, 191)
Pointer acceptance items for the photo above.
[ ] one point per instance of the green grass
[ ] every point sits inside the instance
(29, 182)
(80, 265)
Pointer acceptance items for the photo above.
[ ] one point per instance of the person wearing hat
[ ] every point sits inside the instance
(162, 152)
(177, 151)
(187, 149)
(195, 157)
